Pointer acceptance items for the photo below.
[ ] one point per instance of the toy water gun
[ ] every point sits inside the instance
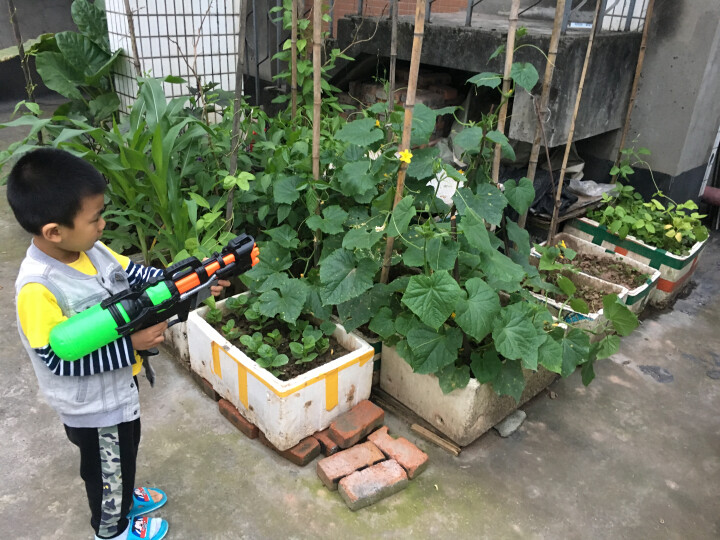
(179, 290)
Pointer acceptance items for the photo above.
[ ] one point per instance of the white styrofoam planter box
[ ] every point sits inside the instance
(589, 321)
(636, 298)
(285, 411)
(675, 270)
(465, 413)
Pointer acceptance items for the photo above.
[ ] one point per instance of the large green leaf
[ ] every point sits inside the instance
(433, 349)
(520, 237)
(286, 303)
(154, 100)
(285, 189)
(59, 75)
(453, 377)
(361, 238)
(81, 53)
(432, 298)
(515, 336)
(273, 259)
(401, 216)
(485, 366)
(362, 132)
(421, 165)
(90, 20)
(524, 74)
(344, 277)
(477, 314)
(623, 320)
(104, 105)
(383, 323)
(575, 351)
(520, 194)
(285, 236)
(355, 178)
(550, 355)
(501, 272)
(608, 346)
(510, 380)
(475, 232)
(491, 80)
(499, 138)
(331, 221)
(358, 311)
(468, 139)
(441, 253)
(488, 204)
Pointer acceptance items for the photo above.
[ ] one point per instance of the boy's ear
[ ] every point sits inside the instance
(51, 232)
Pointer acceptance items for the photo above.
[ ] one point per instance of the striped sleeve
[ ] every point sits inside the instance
(138, 274)
(39, 313)
(116, 355)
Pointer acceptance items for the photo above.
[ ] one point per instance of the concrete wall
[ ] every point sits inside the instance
(36, 17)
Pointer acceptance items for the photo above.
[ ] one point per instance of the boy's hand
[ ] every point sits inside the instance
(149, 337)
(215, 290)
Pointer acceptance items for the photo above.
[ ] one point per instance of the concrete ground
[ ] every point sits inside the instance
(636, 455)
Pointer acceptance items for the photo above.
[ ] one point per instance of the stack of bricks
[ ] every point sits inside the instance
(363, 461)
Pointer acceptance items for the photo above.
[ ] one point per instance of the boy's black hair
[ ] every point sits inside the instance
(48, 185)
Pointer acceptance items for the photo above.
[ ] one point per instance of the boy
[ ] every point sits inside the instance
(59, 199)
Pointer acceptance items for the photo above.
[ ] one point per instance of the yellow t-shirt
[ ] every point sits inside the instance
(39, 311)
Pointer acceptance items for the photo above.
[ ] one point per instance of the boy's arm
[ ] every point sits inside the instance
(137, 273)
(39, 312)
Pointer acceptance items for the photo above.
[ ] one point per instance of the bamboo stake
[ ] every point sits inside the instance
(133, 41)
(636, 81)
(502, 114)
(293, 58)
(235, 140)
(558, 193)
(317, 100)
(393, 56)
(545, 96)
(407, 124)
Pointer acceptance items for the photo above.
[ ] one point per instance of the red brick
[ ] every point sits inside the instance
(206, 386)
(366, 487)
(409, 456)
(356, 424)
(327, 445)
(301, 454)
(334, 468)
(229, 411)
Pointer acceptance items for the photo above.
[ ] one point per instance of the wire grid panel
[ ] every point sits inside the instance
(624, 15)
(186, 38)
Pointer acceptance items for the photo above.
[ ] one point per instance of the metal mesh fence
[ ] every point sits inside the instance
(192, 39)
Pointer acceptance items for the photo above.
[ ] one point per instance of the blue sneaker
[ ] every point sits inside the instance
(143, 503)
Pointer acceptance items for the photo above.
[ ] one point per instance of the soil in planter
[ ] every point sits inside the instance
(592, 296)
(614, 272)
(291, 369)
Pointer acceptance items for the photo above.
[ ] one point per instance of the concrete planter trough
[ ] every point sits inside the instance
(285, 411)
(675, 270)
(637, 298)
(463, 414)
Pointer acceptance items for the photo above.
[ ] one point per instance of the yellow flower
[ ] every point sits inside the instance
(377, 123)
(461, 171)
(405, 156)
(452, 315)
(562, 243)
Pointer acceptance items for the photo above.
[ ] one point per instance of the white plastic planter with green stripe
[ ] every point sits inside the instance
(285, 411)
(675, 270)
(636, 298)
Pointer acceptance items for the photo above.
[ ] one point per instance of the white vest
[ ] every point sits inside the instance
(100, 400)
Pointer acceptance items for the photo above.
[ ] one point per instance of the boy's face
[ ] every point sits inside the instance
(88, 225)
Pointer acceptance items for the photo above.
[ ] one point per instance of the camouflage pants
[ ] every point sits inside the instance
(107, 465)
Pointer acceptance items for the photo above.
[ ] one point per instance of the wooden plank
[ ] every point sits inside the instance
(436, 439)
